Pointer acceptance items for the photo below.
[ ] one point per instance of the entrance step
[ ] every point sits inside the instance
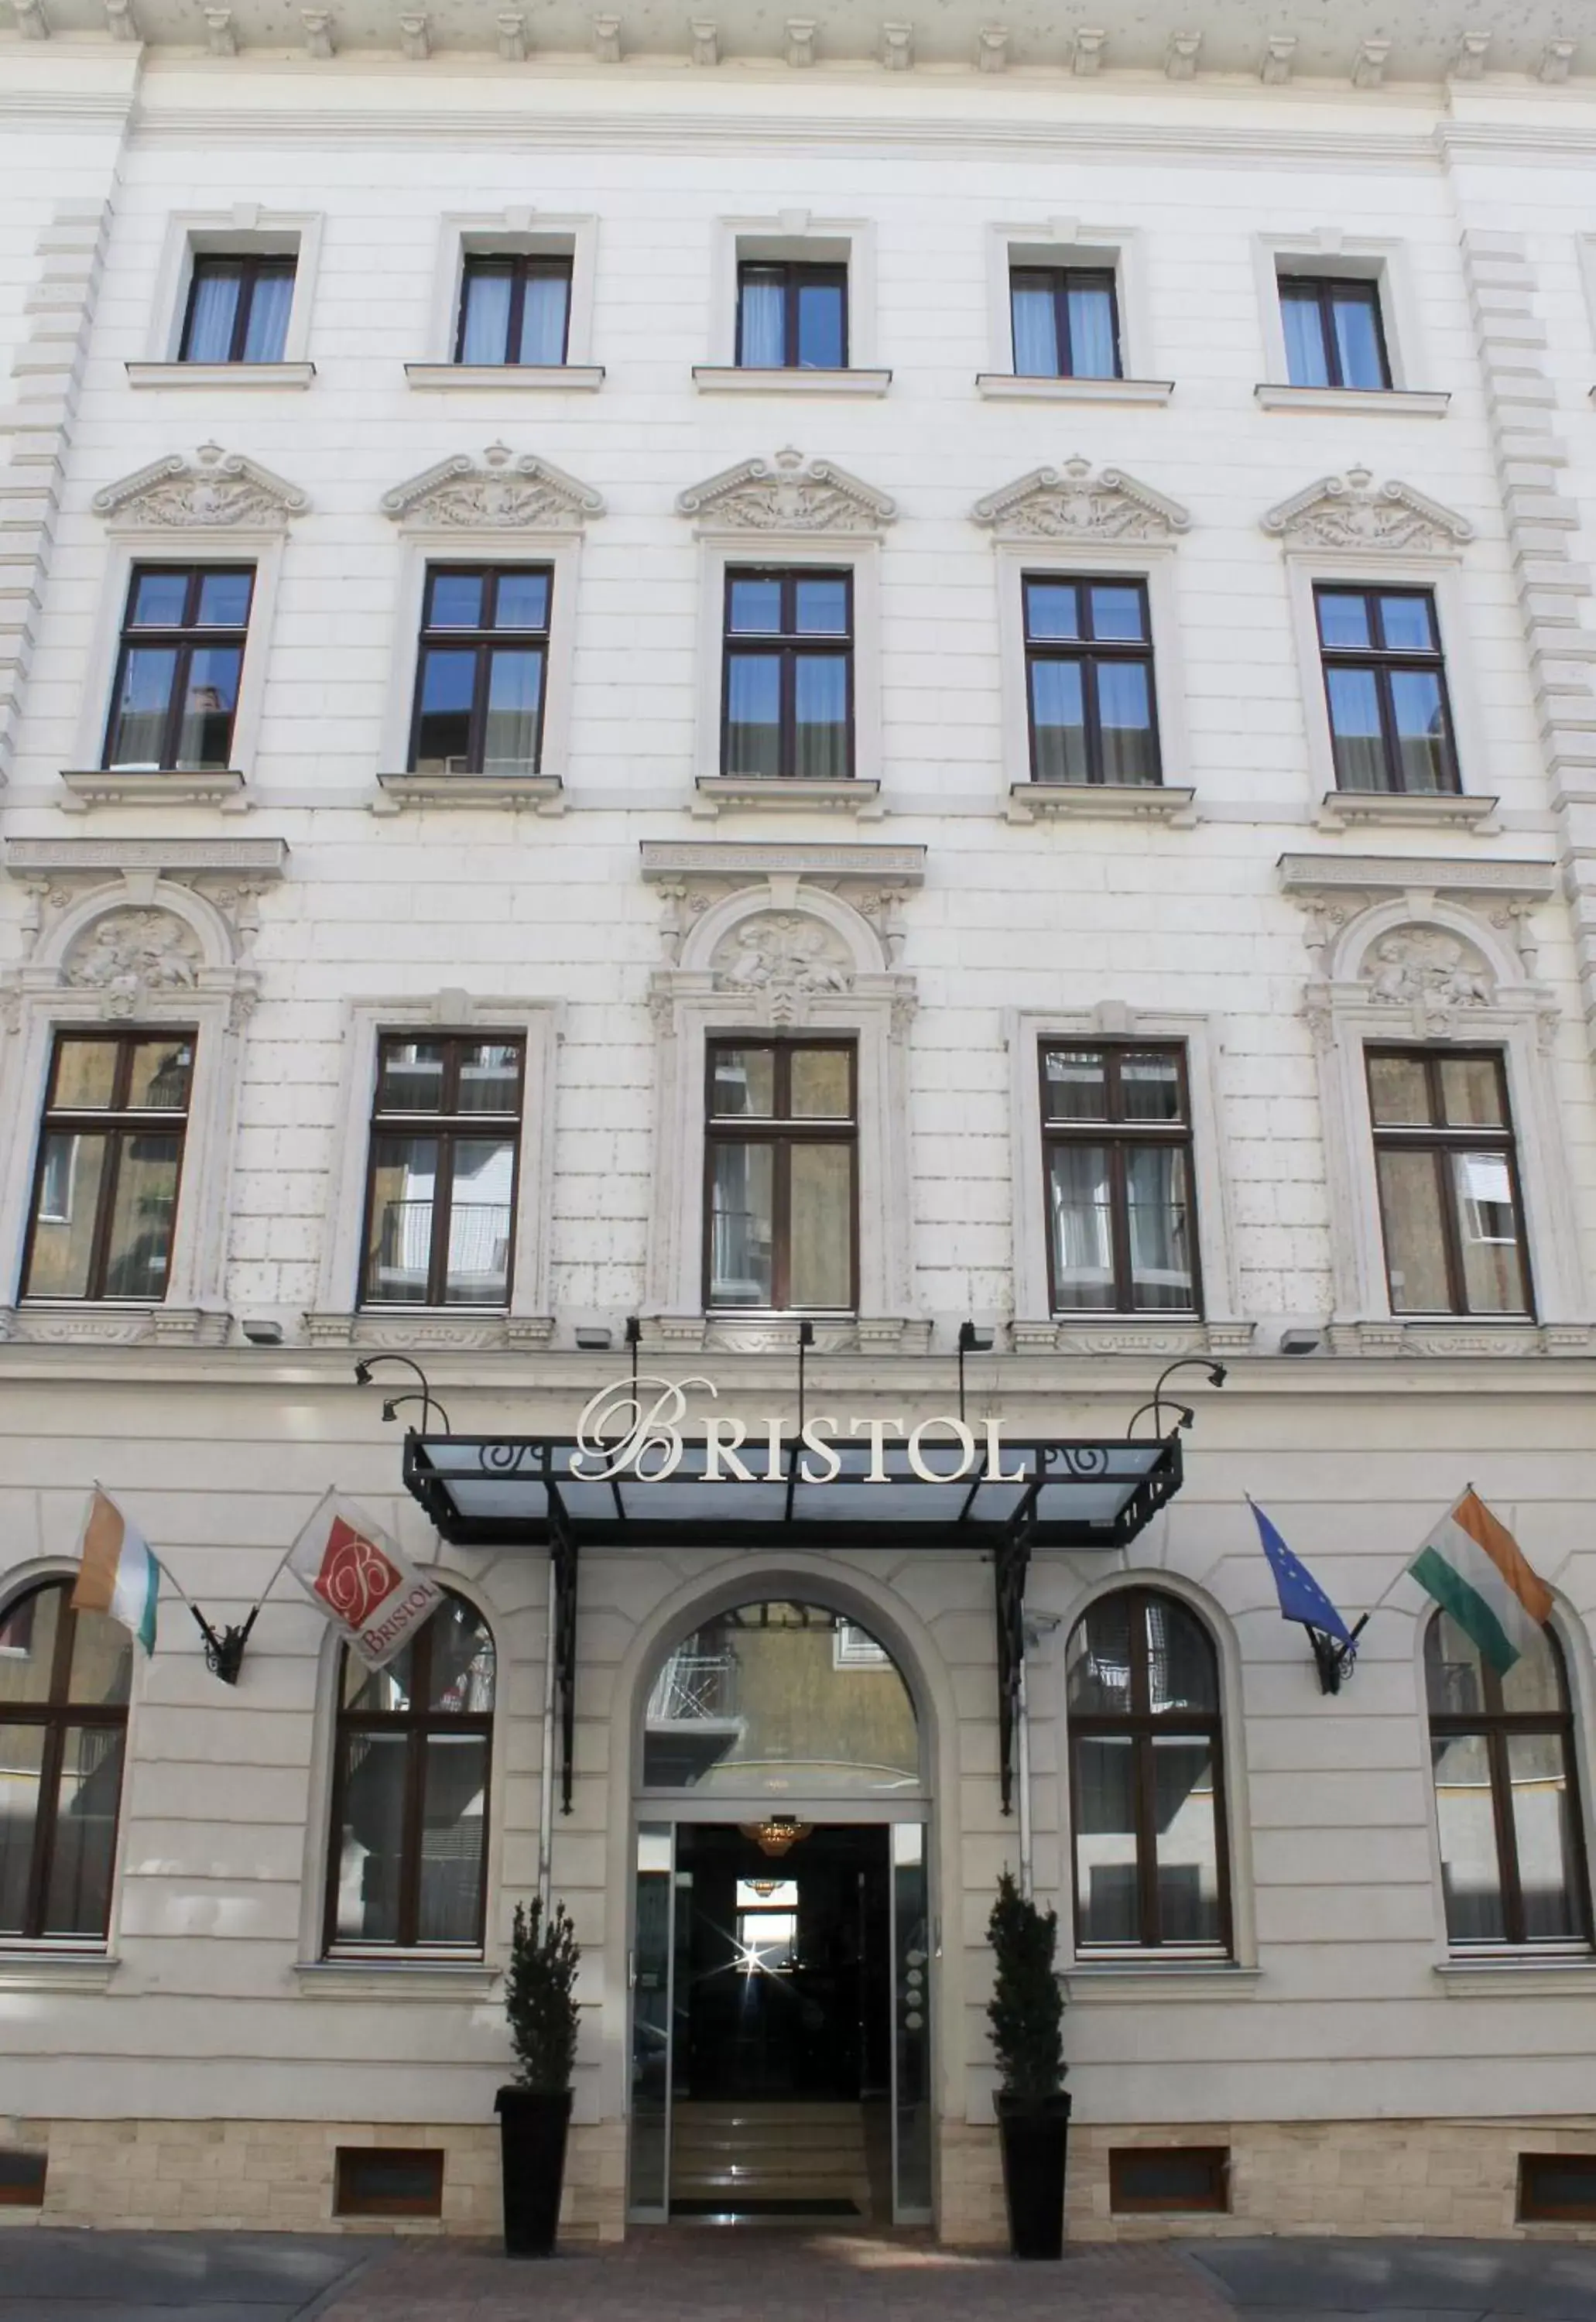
(764, 2153)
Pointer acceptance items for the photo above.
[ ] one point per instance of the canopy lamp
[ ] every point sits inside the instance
(427, 1399)
(1217, 1377)
(972, 1341)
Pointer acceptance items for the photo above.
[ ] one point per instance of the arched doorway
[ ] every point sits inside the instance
(781, 1962)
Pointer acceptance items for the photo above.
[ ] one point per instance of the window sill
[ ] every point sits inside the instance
(112, 1323)
(115, 786)
(1353, 809)
(238, 375)
(507, 379)
(545, 793)
(399, 1328)
(787, 794)
(731, 379)
(1144, 1336)
(1379, 402)
(41, 1968)
(1137, 1981)
(1518, 1973)
(1020, 387)
(1103, 802)
(409, 1978)
(1446, 1335)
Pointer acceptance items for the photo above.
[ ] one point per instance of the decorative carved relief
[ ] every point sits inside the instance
(131, 956)
(1069, 503)
(498, 493)
(781, 955)
(1353, 512)
(785, 495)
(1424, 967)
(216, 492)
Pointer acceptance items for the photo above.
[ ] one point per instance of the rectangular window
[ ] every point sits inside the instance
(1088, 680)
(1065, 321)
(1117, 1154)
(1146, 2178)
(1385, 682)
(1333, 333)
(780, 1175)
(481, 668)
(440, 1189)
(792, 317)
(1448, 1176)
(514, 310)
(238, 310)
(177, 670)
(110, 1159)
(1557, 2188)
(22, 2179)
(382, 2180)
(787, 686)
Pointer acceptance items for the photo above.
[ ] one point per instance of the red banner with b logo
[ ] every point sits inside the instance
(353, 1570)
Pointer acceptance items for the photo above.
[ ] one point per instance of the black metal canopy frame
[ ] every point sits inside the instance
(552, 1492)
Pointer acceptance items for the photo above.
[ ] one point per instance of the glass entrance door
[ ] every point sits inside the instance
(798, 2039)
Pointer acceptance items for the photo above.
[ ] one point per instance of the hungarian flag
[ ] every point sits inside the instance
(356, 1577)
(1475, 1571)
(119, 1574)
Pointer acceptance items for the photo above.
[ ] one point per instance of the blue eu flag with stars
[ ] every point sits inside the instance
(1300, 1597)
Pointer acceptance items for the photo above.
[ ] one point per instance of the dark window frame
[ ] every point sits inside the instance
(1494, 1723)
(448, 1124)
(525, 266)
(1090, 652)
(349, 2198)
(796, 274)
(182, 639)
(251, 265)
(1060, 280)
(1534, 2207)
(116, 1122)
(1325, 288)
(782, 1131)
(1141, 1723)
(1123, 2160)
(1439, 1139)
(790, 646)
(1381, 659)
(58, 1714)
(417, 1723)
(1120, 1135)
(482, 641)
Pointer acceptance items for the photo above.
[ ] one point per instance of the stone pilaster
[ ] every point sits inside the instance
(1553, 586)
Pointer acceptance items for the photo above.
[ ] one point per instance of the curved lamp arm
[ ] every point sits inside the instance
(427, 1399)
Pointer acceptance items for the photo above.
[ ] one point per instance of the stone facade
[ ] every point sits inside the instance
(940, 909)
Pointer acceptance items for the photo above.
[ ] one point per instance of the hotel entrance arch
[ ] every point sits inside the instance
(783, 1955)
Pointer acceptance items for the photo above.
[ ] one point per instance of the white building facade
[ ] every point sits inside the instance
(741, 676)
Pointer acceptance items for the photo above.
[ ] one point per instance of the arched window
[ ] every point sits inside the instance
(1506, 1795)
(64, 1682)
(1146, 1778)
(782, 1699)
(409, 1831)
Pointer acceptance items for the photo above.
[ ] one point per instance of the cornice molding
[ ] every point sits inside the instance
(674, 859)
(1424, 875)
(498, 493)
(788, 495)
(216, 492)
(41, 858)
(1353, 512)
(1069, 502)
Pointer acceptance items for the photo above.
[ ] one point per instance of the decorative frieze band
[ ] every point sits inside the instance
(672, 859)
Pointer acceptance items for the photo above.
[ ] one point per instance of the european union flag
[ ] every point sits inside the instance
(1300, 1597)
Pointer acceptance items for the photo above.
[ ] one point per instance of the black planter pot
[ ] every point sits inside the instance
(532, 2131)
(1035, 2137)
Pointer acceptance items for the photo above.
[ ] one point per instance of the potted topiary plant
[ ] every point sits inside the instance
(534, 2111)
(1027, 2015)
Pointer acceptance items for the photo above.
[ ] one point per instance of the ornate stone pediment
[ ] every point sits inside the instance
(131, 956)
(1353, 512)
(498, 493)
(216, 492)
(788, 495)
(1071, 503)
(779, 954)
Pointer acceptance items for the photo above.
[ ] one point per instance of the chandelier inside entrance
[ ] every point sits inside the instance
(778, 1834)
